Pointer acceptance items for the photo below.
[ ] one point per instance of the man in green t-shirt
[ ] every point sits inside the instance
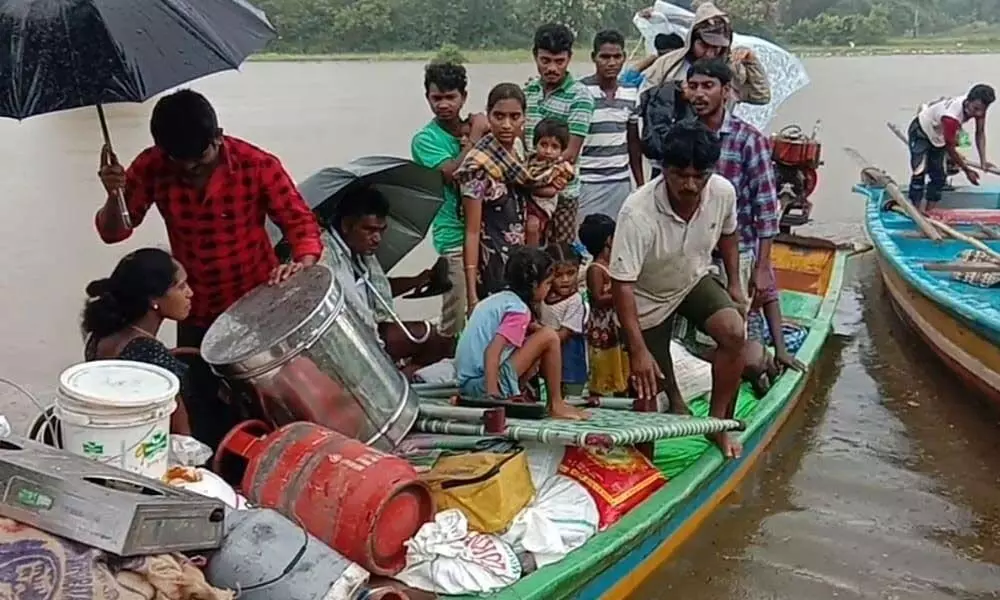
(442, 145)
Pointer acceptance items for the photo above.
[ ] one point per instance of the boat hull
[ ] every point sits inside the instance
(958, 322)
(616, 562)
(972, 358)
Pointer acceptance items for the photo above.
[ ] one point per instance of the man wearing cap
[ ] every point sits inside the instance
(711, 36)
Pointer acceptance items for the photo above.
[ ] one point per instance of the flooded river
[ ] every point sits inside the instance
(885, 485)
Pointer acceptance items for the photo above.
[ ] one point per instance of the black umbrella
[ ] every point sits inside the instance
(63, 54)
(414, 194)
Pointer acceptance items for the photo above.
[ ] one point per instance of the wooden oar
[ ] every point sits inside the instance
(881, 178)
(918, 235)
(963, 267)
(958, 235)
(905, 139)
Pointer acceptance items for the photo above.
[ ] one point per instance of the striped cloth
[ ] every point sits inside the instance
(982, 278)
(604, 157)
(570, 103)
(499, 164)
(605, 428)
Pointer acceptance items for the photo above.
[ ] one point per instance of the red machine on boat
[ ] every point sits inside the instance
(796, 158)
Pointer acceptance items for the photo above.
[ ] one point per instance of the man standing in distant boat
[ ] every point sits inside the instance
(441, 145)
(611, 157)
(214, 193)
(661, 265)
(933, 134)
(555, 94)
(745, 161)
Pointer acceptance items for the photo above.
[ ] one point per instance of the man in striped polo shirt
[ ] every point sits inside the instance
(555, 94)
(611, 157)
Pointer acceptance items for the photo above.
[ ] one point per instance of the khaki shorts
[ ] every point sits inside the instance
(707, 298)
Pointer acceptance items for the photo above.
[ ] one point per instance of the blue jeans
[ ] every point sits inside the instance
(926, 162)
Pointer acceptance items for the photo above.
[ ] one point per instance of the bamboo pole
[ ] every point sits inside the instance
(918, 235)
(975, 165)
(879, 177)
(958, 235)
(963, 267)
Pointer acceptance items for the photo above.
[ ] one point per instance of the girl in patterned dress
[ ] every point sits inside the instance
(565, 311)
(609, 366)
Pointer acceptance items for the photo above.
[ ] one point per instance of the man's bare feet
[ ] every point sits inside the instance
(561, 410)
(730, 446)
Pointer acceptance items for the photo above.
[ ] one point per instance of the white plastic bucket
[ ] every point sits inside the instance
(117, 412)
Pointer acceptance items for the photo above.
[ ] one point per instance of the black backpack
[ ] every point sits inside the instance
(661, 107)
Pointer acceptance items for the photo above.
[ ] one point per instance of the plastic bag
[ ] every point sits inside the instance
(561, 518)
(444, 558)
(185, 451)
(543, 461)
(618, 479)
(440, 372)
(206, 483)
(694, 375)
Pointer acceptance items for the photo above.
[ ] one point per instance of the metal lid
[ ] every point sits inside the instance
(273, 323)
(119, 384)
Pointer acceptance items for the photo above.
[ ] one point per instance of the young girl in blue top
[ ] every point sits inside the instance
(500, 344)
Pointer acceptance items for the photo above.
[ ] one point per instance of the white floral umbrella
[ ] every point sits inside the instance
(785, 71)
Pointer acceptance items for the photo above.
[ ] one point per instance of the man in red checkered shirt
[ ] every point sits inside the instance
(214, 193)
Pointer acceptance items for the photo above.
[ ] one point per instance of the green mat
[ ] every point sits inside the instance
(605, 427)
(674, 455)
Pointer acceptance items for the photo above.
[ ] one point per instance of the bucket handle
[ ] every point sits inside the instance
(240, 441)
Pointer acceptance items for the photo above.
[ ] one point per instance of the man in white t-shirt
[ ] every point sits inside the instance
(933, 135)
(661, 265)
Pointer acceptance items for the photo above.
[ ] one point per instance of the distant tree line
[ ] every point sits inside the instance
(327, 26)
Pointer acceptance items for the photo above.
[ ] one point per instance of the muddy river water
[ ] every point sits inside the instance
(886, 482)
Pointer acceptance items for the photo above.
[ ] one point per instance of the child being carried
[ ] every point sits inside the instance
(551, 174)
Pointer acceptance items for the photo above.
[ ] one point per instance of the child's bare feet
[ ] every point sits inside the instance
(561, 410)
(730, 446)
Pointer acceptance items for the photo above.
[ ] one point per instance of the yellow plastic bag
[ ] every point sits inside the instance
(490, 488)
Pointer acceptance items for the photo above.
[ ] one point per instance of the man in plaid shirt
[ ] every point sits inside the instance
(214, 193)
(746, 162)
(555, 94)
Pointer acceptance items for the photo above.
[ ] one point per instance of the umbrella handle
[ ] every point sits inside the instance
(395, 318)
(119, 193)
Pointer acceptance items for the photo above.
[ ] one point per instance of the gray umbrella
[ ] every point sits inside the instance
(414, 194)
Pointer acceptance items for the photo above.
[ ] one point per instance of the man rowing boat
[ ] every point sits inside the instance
(934, 134)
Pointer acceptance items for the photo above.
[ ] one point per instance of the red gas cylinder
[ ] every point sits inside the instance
(362, 502)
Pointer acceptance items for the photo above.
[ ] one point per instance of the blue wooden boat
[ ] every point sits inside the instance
(960, 321)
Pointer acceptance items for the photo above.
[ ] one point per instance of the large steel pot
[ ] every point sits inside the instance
(309, 356)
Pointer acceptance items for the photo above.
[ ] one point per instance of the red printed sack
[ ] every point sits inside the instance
(619, 479)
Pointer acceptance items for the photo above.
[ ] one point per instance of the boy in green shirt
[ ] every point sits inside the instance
(442, 145)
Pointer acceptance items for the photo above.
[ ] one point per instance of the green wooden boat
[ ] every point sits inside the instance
(810, 274)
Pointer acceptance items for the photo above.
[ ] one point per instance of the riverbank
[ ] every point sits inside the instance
(928, 46)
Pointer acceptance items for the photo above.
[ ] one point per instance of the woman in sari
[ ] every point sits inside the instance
(494, 186)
